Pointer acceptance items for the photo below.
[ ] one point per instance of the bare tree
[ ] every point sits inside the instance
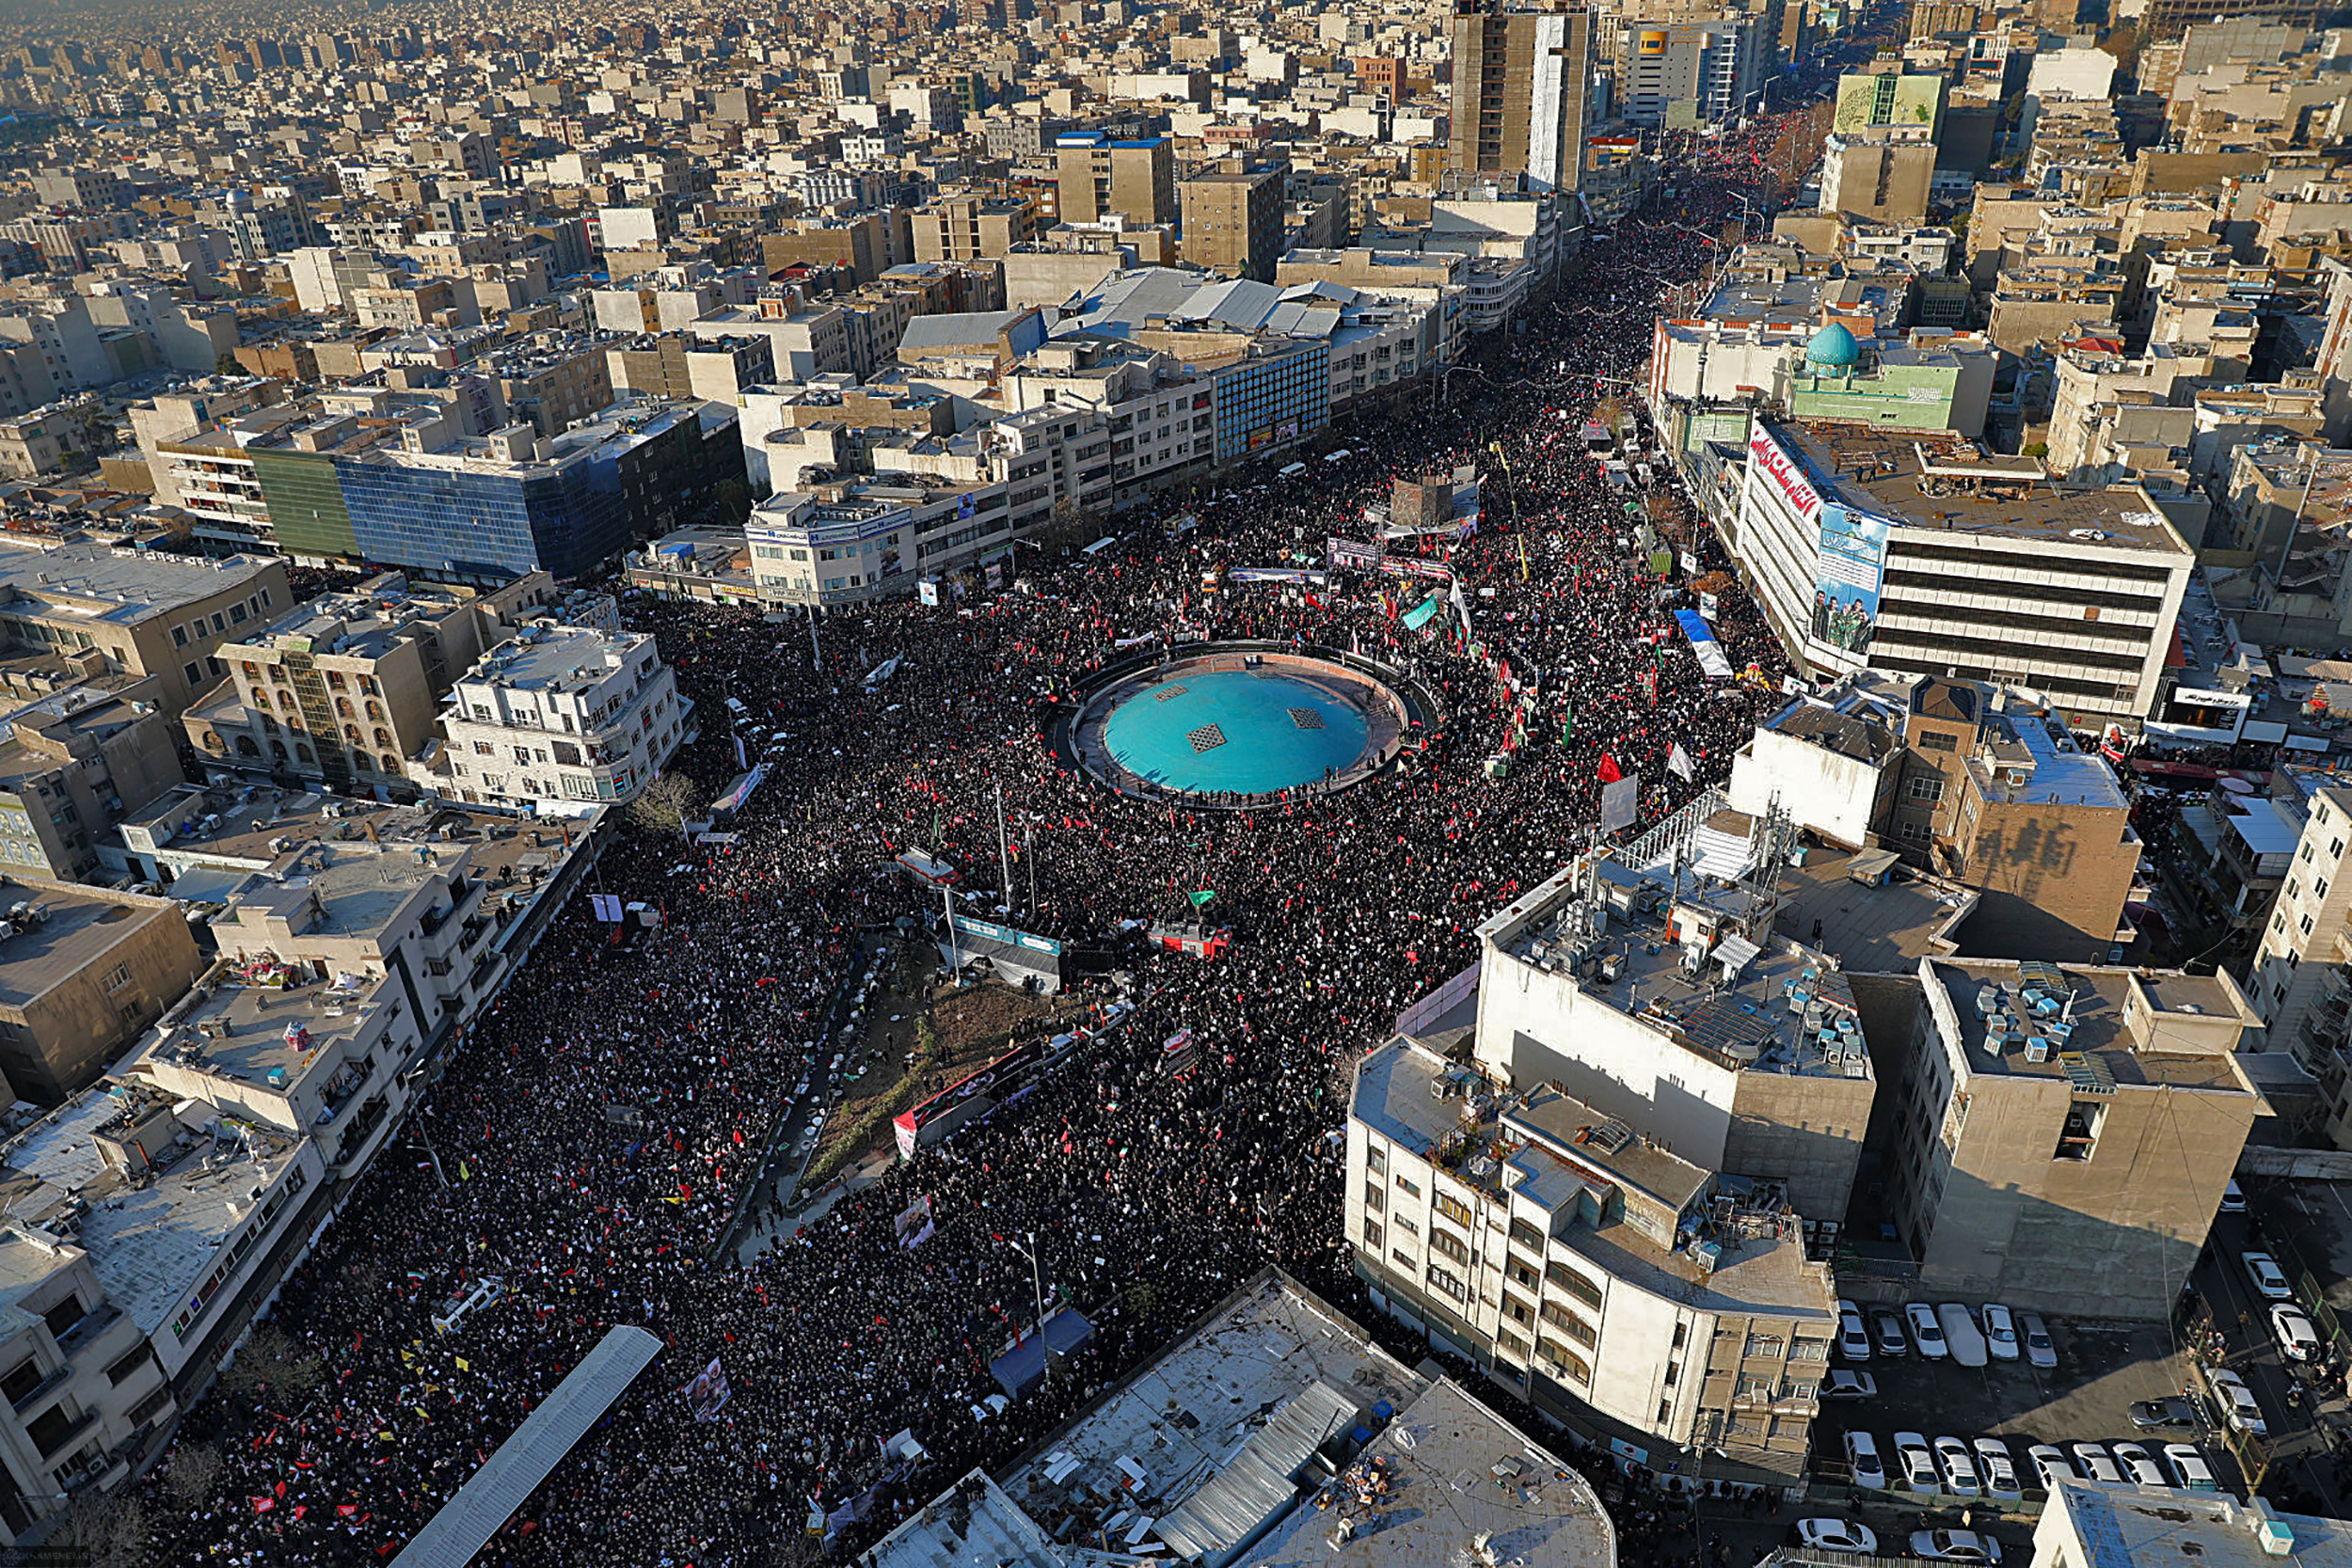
(664, 805)
(270, 1358)
(192, 1472)
(106, 1532)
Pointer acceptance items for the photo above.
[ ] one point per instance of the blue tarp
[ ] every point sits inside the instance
(1021, 1368)
(1702, 638)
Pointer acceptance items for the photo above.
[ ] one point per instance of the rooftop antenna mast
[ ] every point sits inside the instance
(1771, 858)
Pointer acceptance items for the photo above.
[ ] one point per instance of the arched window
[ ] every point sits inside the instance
(383, 738)
(246, 747)
(350, 733)
(303, 752)
(375, 710)
(277, 750)
(344, 709)
(392, 763)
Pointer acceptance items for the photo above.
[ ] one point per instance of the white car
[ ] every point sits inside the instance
(1917, 1462)
(2040, 1352)
(2137, 1464)
(2000, 1473)
(2238, 1404)
(1843, 1385)
(1960, 1468)
(1862, 1458)
(2232, 1197)
(1837, 1535)
(2190, 1472)
(1954, 1545)
(2050, 1466)
(1925, 1332)
(1854, 1335)
(2000, 1332)
(2267, 1276)
(2297, 1336)
(2096, 1466)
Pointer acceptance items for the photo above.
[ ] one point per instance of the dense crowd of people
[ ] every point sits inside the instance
(1149, 1195)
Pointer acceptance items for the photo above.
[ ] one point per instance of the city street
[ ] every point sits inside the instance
(2297, 1449)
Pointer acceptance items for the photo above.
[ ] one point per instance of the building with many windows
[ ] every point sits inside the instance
(1921, 554)
(1520, 87)
(1590, 1164)
(1276, 393)
(560, 719)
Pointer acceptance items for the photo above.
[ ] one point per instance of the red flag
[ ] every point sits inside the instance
(1608, 773)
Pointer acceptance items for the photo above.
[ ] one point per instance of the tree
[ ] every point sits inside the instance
(664, 805)
(105, 1532)
(731, 500)
(271, 1359)
(192, 1472)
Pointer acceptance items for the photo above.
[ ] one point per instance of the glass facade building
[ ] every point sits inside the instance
(1272, 398)
(486, 523)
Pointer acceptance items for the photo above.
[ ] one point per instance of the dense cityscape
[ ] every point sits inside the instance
(1050, 786)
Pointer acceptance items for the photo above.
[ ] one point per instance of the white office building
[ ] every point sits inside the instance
(558, 720)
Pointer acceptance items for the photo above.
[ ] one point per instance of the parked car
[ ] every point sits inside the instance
(1954, 1545)
(1917, 1461)
(2232, 1197)
(1853, 1336)
(2050, 1466)
(2297, 1333)
(1999, 1471)
(1862, 1458)
(2000, 1332)
(2267, 1276)
(2135, 1463)
(2156, 1415)
(1925, 1331)
(1843, 1385)
(2040, 1352)
(1960, 1337)
(2238, 1404)
(1886, 1327)
(2095, 1465)
(1837, 1535)
(2190, 1472)
(1960, 1468)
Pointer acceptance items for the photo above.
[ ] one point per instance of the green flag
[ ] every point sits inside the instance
(1202, 896)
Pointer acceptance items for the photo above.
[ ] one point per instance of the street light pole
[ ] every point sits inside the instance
(1036, 1293)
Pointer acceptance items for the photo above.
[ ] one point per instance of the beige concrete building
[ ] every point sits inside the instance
(75, 764)
(72, 612)
(1518, 101)
(1877, 181)
(1097, 178)
(83, 972)
(971, 228)
(345, 689)
(1233, 222)
(2064, 1132)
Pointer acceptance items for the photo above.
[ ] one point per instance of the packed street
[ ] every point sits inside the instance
(1151, 1195)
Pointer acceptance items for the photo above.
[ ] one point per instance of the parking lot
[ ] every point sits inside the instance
(2102, 1369)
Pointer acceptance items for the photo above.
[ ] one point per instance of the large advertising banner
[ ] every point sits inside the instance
(1848, 570)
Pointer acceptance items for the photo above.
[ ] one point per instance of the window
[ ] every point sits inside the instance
(1527, 1235)
(1567, 1360)
(1808, 1349)
(1445, 1244)
(178, 637)
(1408, 1226)
(1933, 740)
(49, 1429)
(62, 1317)
(191, 674)
(1561, 1277)
(1517, 1310)
(1375, 1159)
(2319, 887)
(1764, 1344)
(128, 1367)
(1371, 1235)
(1512, 1344)
(1519, 1272)
(1403, 1257)
(117, 977)
(1374, 1199)
(219, 625)
(1454, 1209)
(1925, 786)
(1447, 1284)
(1409, 1188)
(21, 1379)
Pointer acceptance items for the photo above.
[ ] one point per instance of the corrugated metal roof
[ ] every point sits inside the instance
(1218, 1522)
(451, 1537)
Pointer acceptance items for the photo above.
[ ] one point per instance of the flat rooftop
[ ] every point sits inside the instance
(262, 826)
(246, 1031)
(553, 659)
(102, 583)
(150, 1245)
(1940, 481)
(2124, 1529)
(1551, 1149)
(73, 925)
(1869, 930)
(2097, 1052)
(330, 890)
(1452, 1471)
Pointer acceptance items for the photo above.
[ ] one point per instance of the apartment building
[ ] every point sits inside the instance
(1099, 177)
(1926, 556)
(2064, 1132)
(1157, 412)
(970, 229)
(83, 972)
(2300, 984)
(75, 764)
(560, 719)
(73, 611)
(1233, 222)
(1518, 105)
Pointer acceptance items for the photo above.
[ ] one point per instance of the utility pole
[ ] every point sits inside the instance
(1004, 850)
(955, 950)
(1036, 1293)
(1028, 851)
(814, 652)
